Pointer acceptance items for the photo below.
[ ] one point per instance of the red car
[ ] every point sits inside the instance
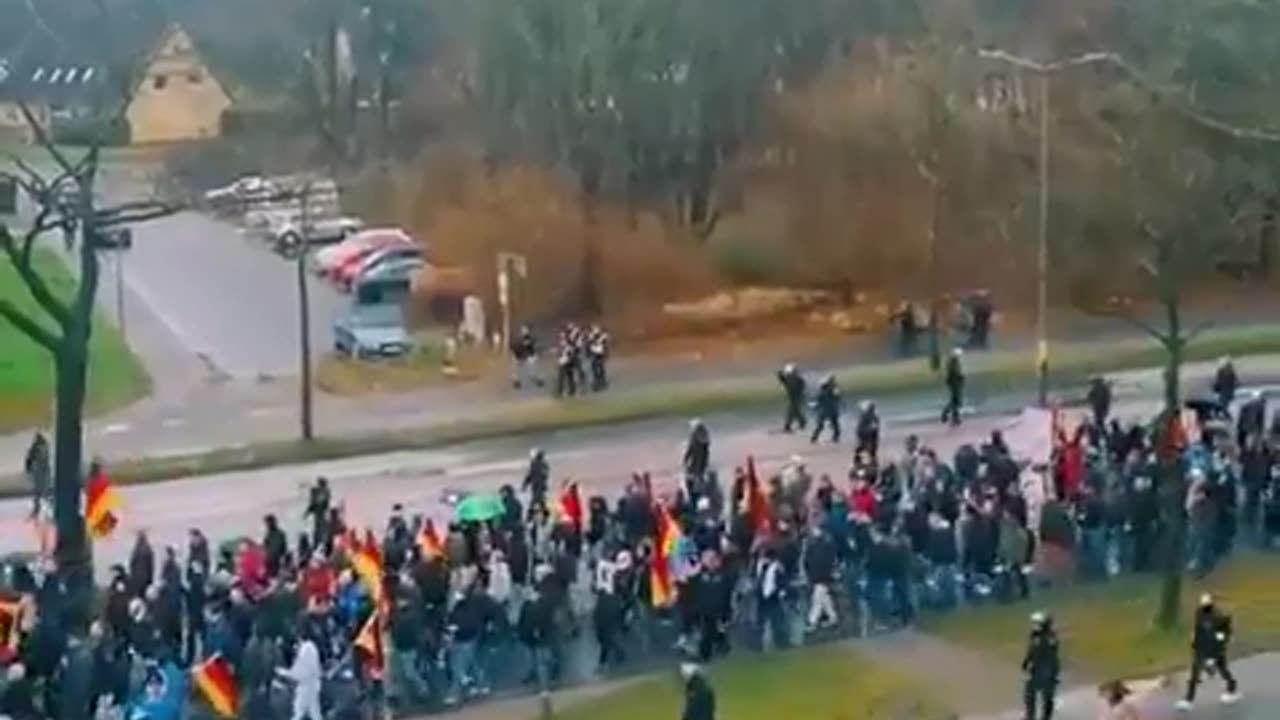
(354, 249)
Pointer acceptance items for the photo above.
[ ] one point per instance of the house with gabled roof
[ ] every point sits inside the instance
(176, 98)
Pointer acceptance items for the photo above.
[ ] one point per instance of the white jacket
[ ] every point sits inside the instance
(500, 581)
(306, 670)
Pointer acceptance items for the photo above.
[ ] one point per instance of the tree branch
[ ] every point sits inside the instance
(22, 262)
(27, 326)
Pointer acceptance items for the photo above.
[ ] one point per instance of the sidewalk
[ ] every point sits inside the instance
(1156, 696)
(213, 412)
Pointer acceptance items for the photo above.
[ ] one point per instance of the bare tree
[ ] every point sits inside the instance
(64, 202)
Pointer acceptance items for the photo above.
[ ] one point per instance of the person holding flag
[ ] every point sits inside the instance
(218, 685)
(429, 542)
(101, 503)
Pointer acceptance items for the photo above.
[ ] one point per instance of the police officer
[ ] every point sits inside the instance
(827, 405)
(954, 380)
(1226, 383)
(598, 354)
(793, 385)
(697, 450)
(868, 431)
(566, 367)
(1209, 651)
(1042, 665)
(536, 478)
(1100, 400)
(699, 698)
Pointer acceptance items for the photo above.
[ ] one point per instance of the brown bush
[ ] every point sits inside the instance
(469, 215)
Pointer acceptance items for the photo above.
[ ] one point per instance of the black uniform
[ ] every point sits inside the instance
(536, 479)
(1100, 401)
(868, 432)
(827, 404)
(1209, 648)
(1225, 385)
(1042, 666)
(699, 699)
(697, 452)
(598, 355)
(793, 385)
(955, 390)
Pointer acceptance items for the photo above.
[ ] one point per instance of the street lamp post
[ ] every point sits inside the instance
(1044, 71)
(304, 318)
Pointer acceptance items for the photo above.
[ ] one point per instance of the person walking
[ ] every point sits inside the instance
(827, 406)
(1226, 383)
(697, 450)
(699, 698)
(1042, 666)
(1099, 397)
(793, 385)
(597, 347)
(1212, 636)
(36, 467)
(868, 431)
(954, 379)
(307, 675)
(524, 358)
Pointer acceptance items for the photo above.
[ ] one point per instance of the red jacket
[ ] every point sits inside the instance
(863, 501)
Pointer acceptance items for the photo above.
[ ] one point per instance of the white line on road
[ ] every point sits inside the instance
(116, 429)
(269, 411)
(173, 422)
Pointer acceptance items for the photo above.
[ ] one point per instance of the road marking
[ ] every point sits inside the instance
(268, 411)
(117, 429)
(174, 422)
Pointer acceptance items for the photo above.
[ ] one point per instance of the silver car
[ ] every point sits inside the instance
(371, 331)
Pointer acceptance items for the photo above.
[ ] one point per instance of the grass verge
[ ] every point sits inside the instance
(425, 367)
(1107, 630)
(826, 683)
(993, 374)
(116, 377)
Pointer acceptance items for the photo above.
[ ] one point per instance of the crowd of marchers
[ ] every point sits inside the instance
(339, 621)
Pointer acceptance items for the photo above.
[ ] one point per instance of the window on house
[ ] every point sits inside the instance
(195, 77)
(159, 81)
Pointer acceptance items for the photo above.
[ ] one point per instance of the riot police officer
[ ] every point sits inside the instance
(697, 450)
(1209, 651)
(537, 478)
(868, 431)
(827, 406)
(1100, 401)
(793, 385)
(1042, 665)
(954, 379)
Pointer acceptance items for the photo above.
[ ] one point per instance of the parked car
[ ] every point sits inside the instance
(234, 197)
(345, 275)
(394, 270)
(371, 331)
(327, 259)
(113, 239)
(287, 240)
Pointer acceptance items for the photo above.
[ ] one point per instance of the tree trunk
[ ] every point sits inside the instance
(72, 550)
(1173, 481)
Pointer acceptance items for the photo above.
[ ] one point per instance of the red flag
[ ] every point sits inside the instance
(571, 510)
(369, 642)
(759, 513)
(10, 630)
(429, 541)
(215, 680)
(100, 506)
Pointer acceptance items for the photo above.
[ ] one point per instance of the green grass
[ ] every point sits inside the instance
(116, 378)
(1107, 630)
(827, 683)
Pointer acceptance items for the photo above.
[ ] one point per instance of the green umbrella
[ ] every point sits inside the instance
(479, 508)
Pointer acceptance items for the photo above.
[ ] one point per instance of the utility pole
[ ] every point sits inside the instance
(120, 321)
(1043, 71)
(304, 319)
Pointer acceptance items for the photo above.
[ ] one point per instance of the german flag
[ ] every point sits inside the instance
(101, 505)
(10, 630)
(214, 678)
(662, 585)
(429, 541)
(369, 643)
(367, 563)
(571, 508)
(759, 514)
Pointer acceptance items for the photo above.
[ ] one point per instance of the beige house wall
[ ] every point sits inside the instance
(178, 99)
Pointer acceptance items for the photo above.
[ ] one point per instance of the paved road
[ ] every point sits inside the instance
(601, 460)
